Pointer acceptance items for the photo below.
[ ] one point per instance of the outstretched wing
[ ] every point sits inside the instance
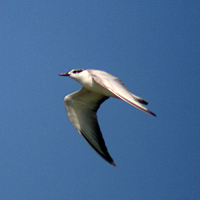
(114, 85)
(81, 108)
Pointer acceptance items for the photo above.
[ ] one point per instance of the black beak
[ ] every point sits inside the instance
(63, 74)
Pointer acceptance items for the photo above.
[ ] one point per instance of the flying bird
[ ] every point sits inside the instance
(83, 104)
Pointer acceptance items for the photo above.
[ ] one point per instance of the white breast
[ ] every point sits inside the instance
(86, 80)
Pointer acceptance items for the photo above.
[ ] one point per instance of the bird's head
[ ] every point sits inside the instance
(73, 73)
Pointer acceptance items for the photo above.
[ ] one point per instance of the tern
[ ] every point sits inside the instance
(82, 105)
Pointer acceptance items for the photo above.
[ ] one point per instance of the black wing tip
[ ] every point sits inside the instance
(112, 163)
(142, 101)
(151, 113)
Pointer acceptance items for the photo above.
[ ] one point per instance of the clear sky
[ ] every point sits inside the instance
(153, 47)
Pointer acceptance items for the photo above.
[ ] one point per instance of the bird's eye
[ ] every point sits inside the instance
(77, 71)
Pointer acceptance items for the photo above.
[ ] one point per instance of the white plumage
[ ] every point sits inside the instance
(83, 104)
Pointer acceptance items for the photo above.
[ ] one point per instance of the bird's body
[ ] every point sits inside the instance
(87, 81)
(82, 105)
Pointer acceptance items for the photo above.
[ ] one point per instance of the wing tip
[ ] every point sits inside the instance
(113, 163)
(142, 101)
(151, 113)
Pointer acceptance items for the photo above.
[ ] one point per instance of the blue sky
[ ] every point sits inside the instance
(153, 47)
